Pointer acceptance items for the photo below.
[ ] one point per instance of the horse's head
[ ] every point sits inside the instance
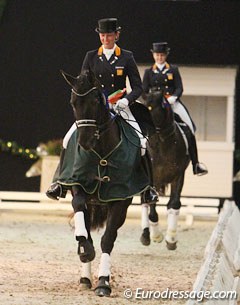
(89, 106)
(160, 109)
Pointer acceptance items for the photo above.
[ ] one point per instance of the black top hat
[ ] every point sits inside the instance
(107, 25)
(160, 47)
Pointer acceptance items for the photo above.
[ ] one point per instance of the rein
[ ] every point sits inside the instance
(84, 94)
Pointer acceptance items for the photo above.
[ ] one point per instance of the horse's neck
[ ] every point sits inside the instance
(166, 128)
(108, 140)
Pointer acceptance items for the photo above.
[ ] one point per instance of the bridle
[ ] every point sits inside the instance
(100, 129)
(84, 94)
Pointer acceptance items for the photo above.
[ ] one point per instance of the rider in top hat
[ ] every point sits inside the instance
(111, 66)
(165, 77)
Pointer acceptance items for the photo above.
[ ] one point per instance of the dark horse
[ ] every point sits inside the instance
(168, 148)
(99, 136)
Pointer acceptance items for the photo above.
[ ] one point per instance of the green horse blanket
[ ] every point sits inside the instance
(116, 176)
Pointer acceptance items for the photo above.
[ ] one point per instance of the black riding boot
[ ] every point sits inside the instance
(198, 168)
(150, 195)
(57, 190)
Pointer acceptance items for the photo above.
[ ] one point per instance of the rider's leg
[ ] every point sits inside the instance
(150, 195)
(198, 168)
(56, 190)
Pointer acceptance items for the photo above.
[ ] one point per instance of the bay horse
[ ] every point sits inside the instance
(99, 170)
(169, 150)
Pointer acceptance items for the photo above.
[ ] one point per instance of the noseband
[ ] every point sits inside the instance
(90, 122)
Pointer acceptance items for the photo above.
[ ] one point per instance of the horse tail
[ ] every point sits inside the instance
(98, 215)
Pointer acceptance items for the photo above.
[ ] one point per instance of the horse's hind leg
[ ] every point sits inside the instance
(155, 232)
(86, 250)
(149, 223)
(116, 216)
(145, 237)
(86, 276)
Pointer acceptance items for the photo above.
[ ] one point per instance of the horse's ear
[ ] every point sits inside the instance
(71, 80)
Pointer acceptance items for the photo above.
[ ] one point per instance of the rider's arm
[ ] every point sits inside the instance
(177, 83)
(134, 79)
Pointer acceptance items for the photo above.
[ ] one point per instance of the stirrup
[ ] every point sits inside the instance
(56, 191)
(150, 195)
(200, 169)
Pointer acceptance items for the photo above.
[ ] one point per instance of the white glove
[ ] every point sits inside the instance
(121, 104)
(172, 99)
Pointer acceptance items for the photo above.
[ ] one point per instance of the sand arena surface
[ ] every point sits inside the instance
(39, 264)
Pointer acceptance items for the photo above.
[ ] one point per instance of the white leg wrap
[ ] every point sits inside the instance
(173, 219)
(105, 265)
(68, 135)
(181, 111)
(155, 232)
(80, 228)
(171, 235)
(154, 228)
(127, 115)
(145, 219)
(86, 270)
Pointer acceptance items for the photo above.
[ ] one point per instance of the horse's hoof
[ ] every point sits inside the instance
(86, 250)
(171, 246)
(157, 239)
(145, 237)
(103, 288)
(85, 283)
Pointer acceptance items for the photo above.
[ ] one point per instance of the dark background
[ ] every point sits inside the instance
(38, 38)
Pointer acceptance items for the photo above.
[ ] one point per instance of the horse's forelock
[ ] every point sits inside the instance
(85, 81)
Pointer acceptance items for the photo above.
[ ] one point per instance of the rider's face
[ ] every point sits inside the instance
(160, 58)
(108, 39)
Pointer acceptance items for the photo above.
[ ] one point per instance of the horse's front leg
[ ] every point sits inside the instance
(173, 209)
(86, 250)
(116, 216)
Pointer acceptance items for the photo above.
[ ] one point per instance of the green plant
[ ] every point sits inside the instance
(50, 148)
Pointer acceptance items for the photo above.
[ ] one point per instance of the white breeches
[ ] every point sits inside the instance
(68, 135)
(179, 109)
(127, 115)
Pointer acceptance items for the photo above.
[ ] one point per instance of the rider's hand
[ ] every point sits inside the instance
(172, 99)
(121, 104)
